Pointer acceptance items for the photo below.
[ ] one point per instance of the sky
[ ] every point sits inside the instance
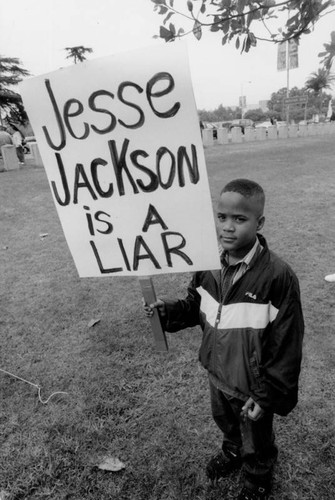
(37, 32)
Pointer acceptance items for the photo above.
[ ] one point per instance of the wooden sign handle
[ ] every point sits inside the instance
(149, 295)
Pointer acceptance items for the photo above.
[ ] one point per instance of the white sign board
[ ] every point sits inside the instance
(121, 145)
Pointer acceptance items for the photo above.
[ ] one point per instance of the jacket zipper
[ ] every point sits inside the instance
(223, 300)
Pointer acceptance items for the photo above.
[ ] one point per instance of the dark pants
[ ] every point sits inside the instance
(252, 440)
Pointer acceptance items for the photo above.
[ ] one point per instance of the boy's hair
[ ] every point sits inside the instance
(248, 189)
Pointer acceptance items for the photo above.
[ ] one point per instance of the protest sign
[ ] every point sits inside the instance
(121, 145)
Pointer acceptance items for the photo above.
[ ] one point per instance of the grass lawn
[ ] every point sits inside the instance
(124, 399)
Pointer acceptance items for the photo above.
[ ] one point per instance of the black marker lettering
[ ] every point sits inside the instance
(80, 172)
(124, 255)
(58, 119)
(163, 76)
(92, 105)
(152, 186)
(97, 185)
(153, 217)
(98, 216)
(163, 151)
(89, 221)
(101, 267)
(62, 174)
(193, 168)
(120, 165)
(176, 250)
(121, 88)
(149, 255)
(78, 111)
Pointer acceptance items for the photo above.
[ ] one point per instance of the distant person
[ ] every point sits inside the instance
(18, 141)
(251, 317)
(5, 137)
(332, 117)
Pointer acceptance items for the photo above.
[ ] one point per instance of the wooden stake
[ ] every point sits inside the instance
(150, 297)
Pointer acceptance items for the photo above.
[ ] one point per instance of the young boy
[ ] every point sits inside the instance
(252, 322)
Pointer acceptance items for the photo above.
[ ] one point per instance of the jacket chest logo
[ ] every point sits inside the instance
(249, 294)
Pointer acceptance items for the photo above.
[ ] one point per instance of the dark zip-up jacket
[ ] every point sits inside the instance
(252, 341)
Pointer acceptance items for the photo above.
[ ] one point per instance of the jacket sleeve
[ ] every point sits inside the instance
(282, 349)
(183, 313)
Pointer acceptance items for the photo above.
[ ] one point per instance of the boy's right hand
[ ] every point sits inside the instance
(149, 308)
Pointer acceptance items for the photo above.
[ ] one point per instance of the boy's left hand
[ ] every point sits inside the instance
(252, 410)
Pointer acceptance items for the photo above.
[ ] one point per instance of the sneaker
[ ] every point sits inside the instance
(254, 492)
(222, 464)
(330, 278)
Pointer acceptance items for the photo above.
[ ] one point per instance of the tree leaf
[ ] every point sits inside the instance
(246, 44)
(240, 6)
(224, 39)
(240, 14)
(293, 20)
(160, 6)
(225, 27)
(225, 5)
(253, 40)
(163, 10)
(172, 29)
(197, 31)
(112, 464)
(168, 17)
(165, 33)
(215, 27)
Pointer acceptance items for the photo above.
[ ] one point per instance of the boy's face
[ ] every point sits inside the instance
(238, 220)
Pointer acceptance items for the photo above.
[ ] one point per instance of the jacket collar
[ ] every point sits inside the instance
(265, 251)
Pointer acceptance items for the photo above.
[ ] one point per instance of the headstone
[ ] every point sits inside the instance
(302, 130)
(10, 159)
(293, 130)
(249, 134)
(261, 134)
(207, 137)
(236, 134)
(222, 136)
(272, 132)
(312, 129)
(282, 132)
